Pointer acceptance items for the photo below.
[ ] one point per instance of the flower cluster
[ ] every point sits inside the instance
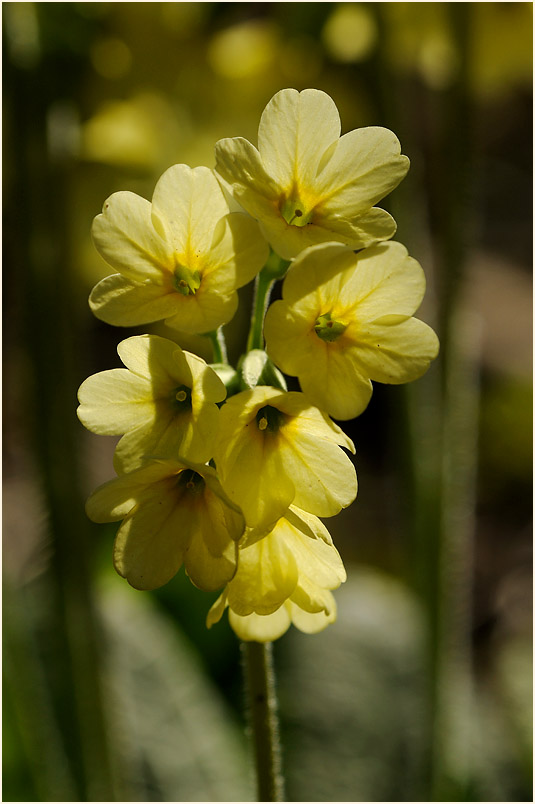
(223, 470)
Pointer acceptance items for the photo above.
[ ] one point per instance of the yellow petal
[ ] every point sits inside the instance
(237, 253)
(317, 560)
(324, 477)
(217, 610)
(307, 418)
(253, 477)
(288, 241)
(312, 623)
(211, 556)
(116, 498)
(238, 163)
(150, 544)
(296, 128)
(158, 359)
(187, 204)
(113, 401)
(366, 164)
(312, 598)
(394, 350)
(124, 303)
(125, 237)
(260, 627)
(384, 280)
(267, 575)
(339, 385)
(205, 311)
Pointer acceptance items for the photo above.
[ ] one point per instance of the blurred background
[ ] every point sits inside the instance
(422, 689)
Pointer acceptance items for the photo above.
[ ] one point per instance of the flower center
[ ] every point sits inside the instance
(269, 418)
(182, 398)
(186, 281)
(294, 212)
(191, 482)
(327, 329)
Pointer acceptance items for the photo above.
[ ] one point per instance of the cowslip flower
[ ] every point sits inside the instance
(164, 402)
(180, 258)
(275, 449)
(346, 319)
(283, 578)
(305, 184)
(173, 513)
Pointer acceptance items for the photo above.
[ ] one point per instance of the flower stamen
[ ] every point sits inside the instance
(269, 418)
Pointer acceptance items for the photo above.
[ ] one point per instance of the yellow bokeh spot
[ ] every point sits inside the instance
(111, 58)
(350, 33)
(243, 50)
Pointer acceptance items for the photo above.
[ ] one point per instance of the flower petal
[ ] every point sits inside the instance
(312, 623)
(113, 401)
(159, 360)
(238, 163)
(187, 204)
(366, 164)
(360, 231)
(116, 498)
(339, 385)
(237, 254)
(125, 236)
(253, 477)
(384, 280)
(296, 128)
(324, 478)
(266, 577)
(217, 610)
(261, 627)
(207, 310)
(211, 555)
(395, 351)
(123, 303)
(150, 544)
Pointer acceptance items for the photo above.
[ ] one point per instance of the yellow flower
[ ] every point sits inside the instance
(305, 184)
(275, 450)
(345, 319)
(282, 578)
(180, 258)
(173, 513)
(164, 402)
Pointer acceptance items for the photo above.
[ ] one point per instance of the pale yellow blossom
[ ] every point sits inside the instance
(180, 258)
(305, 184)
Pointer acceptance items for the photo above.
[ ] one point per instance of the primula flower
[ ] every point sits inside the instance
(164, 402)
(346, 319)
(282, 578)
(173, 513)
(305, 184)
(180, 258)
(275, 449)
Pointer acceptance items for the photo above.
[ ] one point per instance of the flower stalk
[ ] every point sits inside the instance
(260, 678)
(263, 285)
(219, 345)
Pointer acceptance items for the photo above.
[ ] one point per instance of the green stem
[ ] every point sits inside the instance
(263, 285)
(219, 345)
(258, 661)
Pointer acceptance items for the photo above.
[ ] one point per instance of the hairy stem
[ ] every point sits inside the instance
(258, 665)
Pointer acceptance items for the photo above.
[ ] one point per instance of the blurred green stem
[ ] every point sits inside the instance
(275, 268)
(260, 676)
(219, 345)
(263, 286)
